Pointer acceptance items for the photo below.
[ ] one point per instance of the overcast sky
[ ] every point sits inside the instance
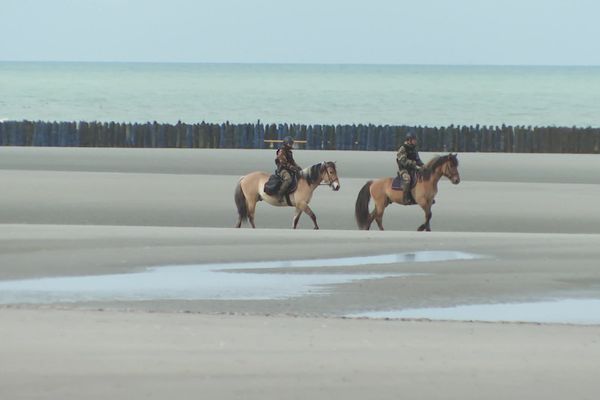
(515, 32)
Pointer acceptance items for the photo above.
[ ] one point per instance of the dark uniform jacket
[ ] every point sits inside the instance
(408, 158)
(285, 160)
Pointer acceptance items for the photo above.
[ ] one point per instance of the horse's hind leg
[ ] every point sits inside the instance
(379, 219)
(297, 215)
(251, 211)
(370, 219)
(378, 212)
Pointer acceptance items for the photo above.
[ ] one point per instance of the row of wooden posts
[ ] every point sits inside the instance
(516, 139)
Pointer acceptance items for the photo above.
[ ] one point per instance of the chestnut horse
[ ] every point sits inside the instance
(250, 190)
(423, 192)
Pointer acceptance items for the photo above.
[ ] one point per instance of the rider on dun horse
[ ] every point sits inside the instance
(286, 166)
(251, 188)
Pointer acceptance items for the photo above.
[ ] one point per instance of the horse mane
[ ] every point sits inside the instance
(313, 173)
(435, 163)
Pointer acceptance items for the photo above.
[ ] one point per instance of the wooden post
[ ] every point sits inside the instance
(318, 137)
(300, 135)
(85, 133)
(259, 135)
(370, 145)
(61, 138)
(329, 137)
(38, 133)
(362, 137)
(477, 138)
(595, 148)
(338, 134)
(200, 135)
(215, 135)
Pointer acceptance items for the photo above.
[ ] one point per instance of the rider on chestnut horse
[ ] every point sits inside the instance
(409, 163)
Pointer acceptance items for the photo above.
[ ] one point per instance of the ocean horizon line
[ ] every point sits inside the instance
(320, 64)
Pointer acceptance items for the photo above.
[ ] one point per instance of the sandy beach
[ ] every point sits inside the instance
(530, 222)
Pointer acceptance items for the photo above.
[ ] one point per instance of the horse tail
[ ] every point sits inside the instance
(240, 202)
(362, 206)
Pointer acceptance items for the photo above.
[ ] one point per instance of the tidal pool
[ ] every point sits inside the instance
(227, 281)
(567, 311)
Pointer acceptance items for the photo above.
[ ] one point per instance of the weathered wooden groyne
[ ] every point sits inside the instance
(516, 139)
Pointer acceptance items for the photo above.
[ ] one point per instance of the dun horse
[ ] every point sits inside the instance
(250, 190)
(423, 192)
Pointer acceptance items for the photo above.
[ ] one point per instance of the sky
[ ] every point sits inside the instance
(447, 32)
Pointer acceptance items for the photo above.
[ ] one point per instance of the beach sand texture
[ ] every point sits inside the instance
(532, 218)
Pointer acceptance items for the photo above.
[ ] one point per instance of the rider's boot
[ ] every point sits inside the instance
(283, 189)
(407, 199)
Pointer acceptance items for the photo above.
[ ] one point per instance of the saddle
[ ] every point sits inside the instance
(274, 183)
(397, 182)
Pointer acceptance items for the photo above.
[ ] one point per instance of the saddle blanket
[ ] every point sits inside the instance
(274, 183)
(397, 182)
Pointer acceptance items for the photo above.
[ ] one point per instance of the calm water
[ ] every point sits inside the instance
(427, 95)
(229, 281)
(568, 311)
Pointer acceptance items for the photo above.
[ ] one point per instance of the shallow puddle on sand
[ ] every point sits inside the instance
(211, 281)
(566, 311)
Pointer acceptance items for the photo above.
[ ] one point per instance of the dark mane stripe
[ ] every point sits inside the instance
(314, 173)
(435, 163)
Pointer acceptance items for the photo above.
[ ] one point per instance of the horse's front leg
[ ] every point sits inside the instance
(304, 207)
(297, 215)
(428, 214)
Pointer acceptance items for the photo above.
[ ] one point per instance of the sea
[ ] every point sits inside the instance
(301, 93)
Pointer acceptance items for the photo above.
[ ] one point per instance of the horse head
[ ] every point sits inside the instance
(329, 175)
(450, 168)
(442, 166)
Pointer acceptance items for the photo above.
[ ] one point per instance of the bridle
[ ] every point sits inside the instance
(330, 182)
(447, 170)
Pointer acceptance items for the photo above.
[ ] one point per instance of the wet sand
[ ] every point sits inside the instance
(72, 212)
(100, 355)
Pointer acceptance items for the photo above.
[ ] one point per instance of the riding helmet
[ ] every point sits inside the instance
(288, 141)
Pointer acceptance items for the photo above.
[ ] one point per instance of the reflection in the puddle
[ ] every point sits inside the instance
(209, 281)
(568, 311)
(418, 256)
